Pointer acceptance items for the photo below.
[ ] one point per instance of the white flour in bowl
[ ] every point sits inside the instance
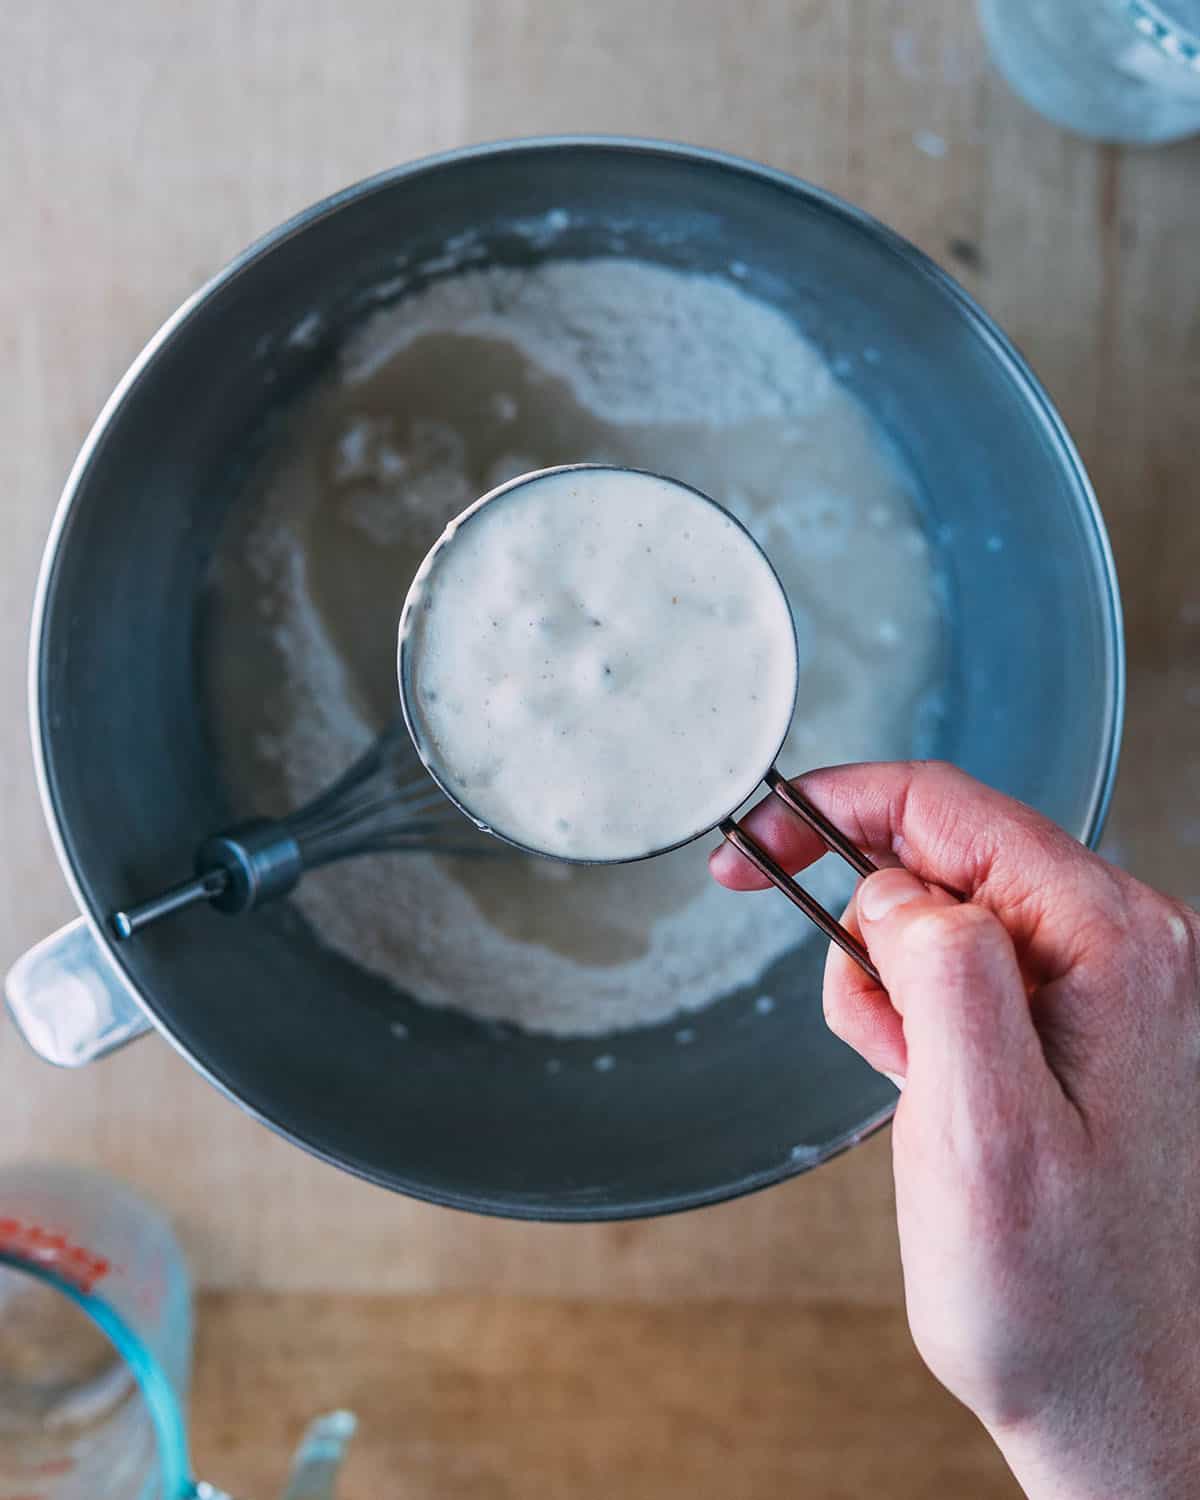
(483, 376)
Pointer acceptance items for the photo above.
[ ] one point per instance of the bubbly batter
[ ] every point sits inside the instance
(601, 663)
(482, 376)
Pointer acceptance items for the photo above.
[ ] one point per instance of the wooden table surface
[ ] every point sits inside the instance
(749, 1350)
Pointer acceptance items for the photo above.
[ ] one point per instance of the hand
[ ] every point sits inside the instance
(1046, 1145)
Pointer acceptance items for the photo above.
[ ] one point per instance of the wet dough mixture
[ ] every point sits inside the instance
(599, 663)
(483, 376)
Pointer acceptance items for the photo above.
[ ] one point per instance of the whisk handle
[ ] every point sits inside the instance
(262, 860)
(235, 871)
(131, 919)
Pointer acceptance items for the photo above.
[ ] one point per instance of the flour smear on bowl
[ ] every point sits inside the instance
(478, 378)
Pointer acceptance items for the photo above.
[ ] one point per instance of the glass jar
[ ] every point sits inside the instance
(95, 1341)
(1116, 70)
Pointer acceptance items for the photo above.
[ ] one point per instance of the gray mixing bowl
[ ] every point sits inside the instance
(301, 1037)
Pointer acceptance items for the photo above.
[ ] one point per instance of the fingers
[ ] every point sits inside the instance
(951, 972)
(861, 1013)
(949, 830)
(792, 843)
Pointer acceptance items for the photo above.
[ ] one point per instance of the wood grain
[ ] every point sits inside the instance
(495, 1397)
(145, 143)
(151, 142)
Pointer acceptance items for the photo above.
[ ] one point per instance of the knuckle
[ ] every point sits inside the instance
(940, 821)
(1120, 900)
(936, 770)
(950, 937)
(1049, 858)
(1132, 936)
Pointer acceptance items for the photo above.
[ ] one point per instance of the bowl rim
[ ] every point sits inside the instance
(516, 1206)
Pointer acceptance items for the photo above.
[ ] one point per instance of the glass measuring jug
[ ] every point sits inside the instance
(600, 664)
(95, 1342)
(1117, 70)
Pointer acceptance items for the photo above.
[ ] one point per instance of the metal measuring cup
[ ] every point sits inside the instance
(408, 670)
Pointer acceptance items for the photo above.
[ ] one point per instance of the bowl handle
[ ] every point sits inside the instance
(68, 1002)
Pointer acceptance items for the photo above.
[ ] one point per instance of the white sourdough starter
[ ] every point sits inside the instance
(479, 378)
(600, 663)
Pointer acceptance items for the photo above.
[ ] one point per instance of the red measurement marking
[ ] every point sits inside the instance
(52, 1249)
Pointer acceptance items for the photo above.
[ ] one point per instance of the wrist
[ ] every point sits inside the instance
(1136, 1460)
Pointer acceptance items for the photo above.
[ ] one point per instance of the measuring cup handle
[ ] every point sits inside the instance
(68, 1002)
(834, 840)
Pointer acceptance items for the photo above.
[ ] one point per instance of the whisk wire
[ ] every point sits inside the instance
(385, 802)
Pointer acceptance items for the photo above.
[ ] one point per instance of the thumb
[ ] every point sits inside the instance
(951, 971)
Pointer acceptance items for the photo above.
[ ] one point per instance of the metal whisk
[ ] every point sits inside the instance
(385, 802)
